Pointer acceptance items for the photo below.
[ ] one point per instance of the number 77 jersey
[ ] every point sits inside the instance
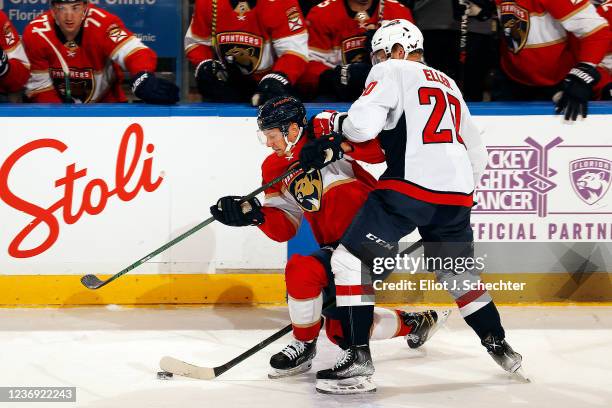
(432, 146)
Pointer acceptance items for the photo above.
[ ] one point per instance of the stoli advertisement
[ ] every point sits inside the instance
(92, 195)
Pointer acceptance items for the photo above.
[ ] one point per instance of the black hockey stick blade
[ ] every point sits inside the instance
(91, 281)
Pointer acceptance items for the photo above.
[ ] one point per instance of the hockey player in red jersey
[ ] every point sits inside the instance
(78, 52)
(328, 199)
(248, 50)
(537, 55)
(339, 61)
(14, 64)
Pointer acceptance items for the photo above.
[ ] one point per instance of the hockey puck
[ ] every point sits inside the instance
(164, 375)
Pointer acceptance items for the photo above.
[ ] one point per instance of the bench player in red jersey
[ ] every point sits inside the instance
(328, 198)
(339, 59)
(14, 64)
(78, 52)
(538, 55)
(249, 50)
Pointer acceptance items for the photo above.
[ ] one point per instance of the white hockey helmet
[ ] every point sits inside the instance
(393, 32)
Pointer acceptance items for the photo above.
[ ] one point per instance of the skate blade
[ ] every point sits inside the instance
(355, 385)
(302, 368)
(520, 375)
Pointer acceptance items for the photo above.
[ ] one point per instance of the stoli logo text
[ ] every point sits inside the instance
(68, 206)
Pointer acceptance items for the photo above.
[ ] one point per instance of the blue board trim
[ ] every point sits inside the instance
(243, 110)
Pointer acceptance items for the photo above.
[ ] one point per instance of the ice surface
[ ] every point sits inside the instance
(111, 356)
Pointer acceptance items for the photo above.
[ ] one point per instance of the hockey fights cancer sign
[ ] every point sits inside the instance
(550, 188)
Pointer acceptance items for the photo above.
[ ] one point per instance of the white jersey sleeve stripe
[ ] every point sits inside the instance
(584, 22)
(294, 44)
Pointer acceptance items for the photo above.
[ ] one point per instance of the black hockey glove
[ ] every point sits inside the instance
(318, 153)
(4, 63)
(481, 9)
(151, 89)
(577, 90)
(272, 85)
(211, 78)
(347, 81)
(230, 211)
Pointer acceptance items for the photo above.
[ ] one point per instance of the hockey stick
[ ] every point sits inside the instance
(213, 30)
(463, 31)
(178, 367)
(93, 282)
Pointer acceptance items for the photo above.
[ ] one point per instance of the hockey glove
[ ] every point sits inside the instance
(4, 63)
(325, 123)
(347, 81)
(211, 78)
(318, 153)
(577, 90)
(151, 89)
(230, 211)
(481, 9)
(272, 85)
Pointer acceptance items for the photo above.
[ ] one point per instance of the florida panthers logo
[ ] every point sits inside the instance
(590, 178)
(81, 83)
(307, 189)
(353, 50)
(244, 50)
(515, 24)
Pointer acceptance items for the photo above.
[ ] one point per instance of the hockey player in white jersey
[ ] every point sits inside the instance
(435, 158)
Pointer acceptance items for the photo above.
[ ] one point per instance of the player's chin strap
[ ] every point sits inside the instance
(288, 152)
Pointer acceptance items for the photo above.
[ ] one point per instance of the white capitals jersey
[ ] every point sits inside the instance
(433, 148)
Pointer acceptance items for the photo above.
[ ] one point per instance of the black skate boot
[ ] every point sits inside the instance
(294, 359)
(424, 325)
(502, 353)
(352, 374)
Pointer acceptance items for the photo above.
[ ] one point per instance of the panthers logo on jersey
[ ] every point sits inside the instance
(307, 189)
(244, 50)
(353, 50)
(515, 23)
(81, 83)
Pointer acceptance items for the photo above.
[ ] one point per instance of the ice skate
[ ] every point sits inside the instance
(295, 358)
(505, 356)
(352, 374)
(424, 324)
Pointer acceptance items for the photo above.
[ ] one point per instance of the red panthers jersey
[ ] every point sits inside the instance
(19, 67)
(337, 35)
(329, 198)
(535, 47)
(605, 67)
(269, 36)
(95, 59)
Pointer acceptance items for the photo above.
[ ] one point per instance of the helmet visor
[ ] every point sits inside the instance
(269, 135)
